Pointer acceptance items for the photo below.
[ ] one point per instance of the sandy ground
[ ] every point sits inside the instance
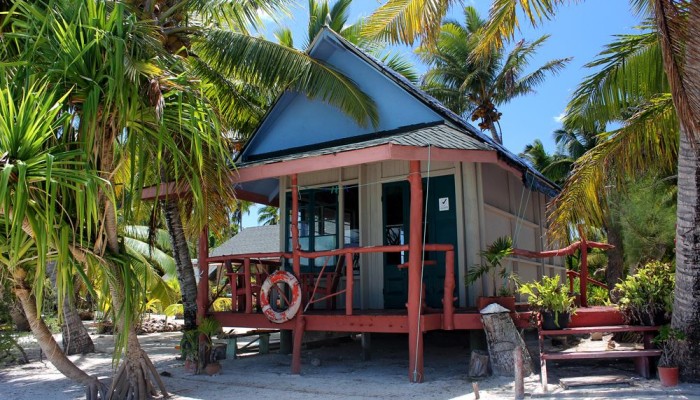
(340, 375)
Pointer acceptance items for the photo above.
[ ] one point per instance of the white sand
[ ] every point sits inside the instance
(340, 375)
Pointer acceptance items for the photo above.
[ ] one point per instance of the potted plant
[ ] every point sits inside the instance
(553, 302)
(208, 328)
(199, 356)
(668, 341)
(646, 298)
(493, 258)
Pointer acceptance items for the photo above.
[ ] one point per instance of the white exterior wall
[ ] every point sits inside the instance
(511, 210)
(492, 201)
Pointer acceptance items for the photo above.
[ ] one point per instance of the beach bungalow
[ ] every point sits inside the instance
(379, 225)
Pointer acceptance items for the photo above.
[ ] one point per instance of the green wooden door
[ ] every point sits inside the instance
(440, 226)
(395, 210)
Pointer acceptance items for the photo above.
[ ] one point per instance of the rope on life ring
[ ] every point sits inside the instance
(271, 311)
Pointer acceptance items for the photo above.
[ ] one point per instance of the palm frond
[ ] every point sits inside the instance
(404, 21)
(622, 154)
(264, 63)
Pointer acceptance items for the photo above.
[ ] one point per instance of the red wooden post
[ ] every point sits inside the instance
(415, 252)
(349, 283)
(203, 286)
(296, 267)
(448, 307)
(296, 259)
(584, 268)
(248, 289)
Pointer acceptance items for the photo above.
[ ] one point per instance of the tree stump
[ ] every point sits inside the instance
(479, 364)
(502, 337)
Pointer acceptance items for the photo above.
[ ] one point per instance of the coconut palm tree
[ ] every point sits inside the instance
(475, 87)
(268, 215)
(677, 24)
(336, 17)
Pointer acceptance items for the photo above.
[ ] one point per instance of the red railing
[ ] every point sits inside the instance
(249, 287)
(573, 274)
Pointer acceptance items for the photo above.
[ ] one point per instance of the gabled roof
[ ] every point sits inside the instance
(255, 239)
(433, 134)
(454, 132)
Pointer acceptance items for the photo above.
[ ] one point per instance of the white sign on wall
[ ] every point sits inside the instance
(444, 203)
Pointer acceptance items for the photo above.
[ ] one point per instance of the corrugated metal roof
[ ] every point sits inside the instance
(256, 239)
(442, 136)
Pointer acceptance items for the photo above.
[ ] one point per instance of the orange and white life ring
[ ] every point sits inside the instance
(271, 311)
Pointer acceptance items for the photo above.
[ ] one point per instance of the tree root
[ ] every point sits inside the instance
(135, 379)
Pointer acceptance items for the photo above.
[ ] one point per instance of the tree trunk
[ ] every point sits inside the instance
(681, 58)
(18, 318)
(76, 339)
(181, 253)
(616, 263)
(94, 388)
(686, 304)
(132, 379)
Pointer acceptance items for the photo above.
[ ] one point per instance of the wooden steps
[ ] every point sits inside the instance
(641, 356)
(580, 355)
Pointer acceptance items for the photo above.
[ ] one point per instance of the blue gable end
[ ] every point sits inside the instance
(298, 121)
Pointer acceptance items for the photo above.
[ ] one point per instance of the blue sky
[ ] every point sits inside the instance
(578, 30)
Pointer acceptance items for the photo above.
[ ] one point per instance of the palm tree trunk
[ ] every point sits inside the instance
(94, 388)
(686, 304)
(616, 263)
(134, 377)
(181, 253)
(682, 67)
(76, 339)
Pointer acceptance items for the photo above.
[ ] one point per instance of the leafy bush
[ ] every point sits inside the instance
(548, 295)
(221, 304)
(646, 297)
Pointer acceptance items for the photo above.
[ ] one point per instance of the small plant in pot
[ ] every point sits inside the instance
(199, 355)
(669, 340)
(553, 302)
(646, 298)
(492, 264)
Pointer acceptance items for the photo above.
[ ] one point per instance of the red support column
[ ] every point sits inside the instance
(203, 286)
(296, 259)
(415, 252)
(296, 267)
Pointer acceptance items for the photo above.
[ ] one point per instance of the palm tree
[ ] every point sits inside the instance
(336, 18)
(268, 215)
(475, 87)
(678, 25)
(128, 93)
(43, 173)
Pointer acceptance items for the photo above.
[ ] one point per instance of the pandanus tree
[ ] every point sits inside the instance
(677, 25)
(126, 89)
(475, 87)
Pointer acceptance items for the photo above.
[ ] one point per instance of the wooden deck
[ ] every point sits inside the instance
(396, 321)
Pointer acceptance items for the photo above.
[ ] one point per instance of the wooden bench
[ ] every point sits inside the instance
(641, 357)
(263, 339)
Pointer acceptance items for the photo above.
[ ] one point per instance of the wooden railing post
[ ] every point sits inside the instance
(349, 283)
(248, 290)
(583, 279)
(448, 299)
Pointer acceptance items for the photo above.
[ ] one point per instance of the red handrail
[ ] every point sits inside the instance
(348, 253)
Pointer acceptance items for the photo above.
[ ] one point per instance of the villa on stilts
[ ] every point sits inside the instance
(379, 225)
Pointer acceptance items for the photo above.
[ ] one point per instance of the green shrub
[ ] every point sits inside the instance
(647, 296)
